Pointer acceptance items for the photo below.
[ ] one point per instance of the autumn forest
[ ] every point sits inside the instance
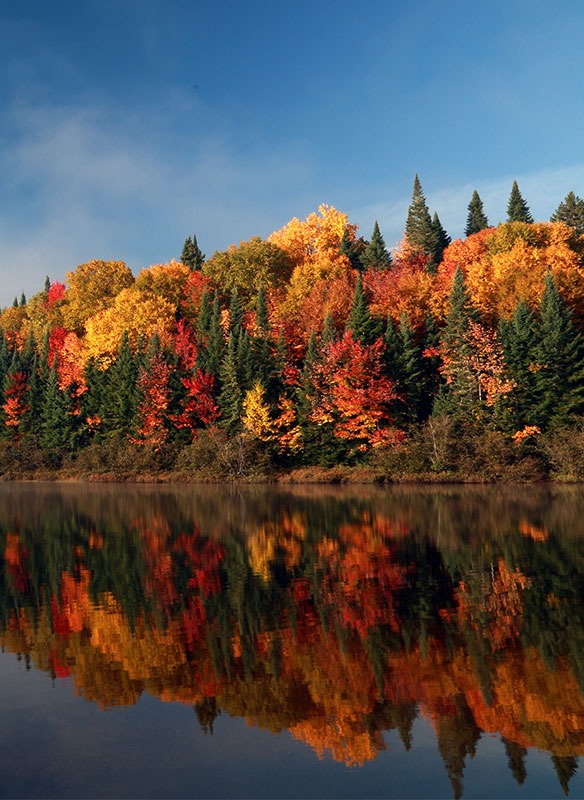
(315, 352)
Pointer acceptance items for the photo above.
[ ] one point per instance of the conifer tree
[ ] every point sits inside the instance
(235, 315)
(517, 208)
(23, 299)
(15, 302)
(375, 255)
(476, 220)
(191, 255)
(565, 767)
(411, 369)
(347, 248)
(244, 362)
(55, 424)
(216, 342)
(516, 759)
(311, 352)
(230, 398)
(571, 211)
(359, 322)
(441, 240)
(560, 360)
(262, 312)
(47, 287)
(520, 339)
(419, 230)
(328, 330)
(392, 352)
(122, 392)
(431, 364)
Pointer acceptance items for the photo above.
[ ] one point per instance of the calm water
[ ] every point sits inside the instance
(209, 642)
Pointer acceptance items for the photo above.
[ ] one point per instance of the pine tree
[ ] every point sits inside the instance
(375, 255)
(262, 318)
(476, 220)
(191, 255)
(235, 315)
(431, 364)
(122, 392)
(393, 352)
(565, 767)
(23, 299)
(230, 398)
(520, 339)
(347, 248)
(442, 240)
(419, 230)
(215, 343)
(411, 369)
(328, 330)
(311, 352)
(244, 362)
(517, 208)
(47, 288)
(516, 759)
(55, 424)
(560, 360)
(571, 211)
(359, 321)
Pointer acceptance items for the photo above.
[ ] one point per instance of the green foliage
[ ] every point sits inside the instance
(442, 240)
(571, 212)
(517, 208)
(191, 255)
(55, 422)
(476, 220)
(375, 255)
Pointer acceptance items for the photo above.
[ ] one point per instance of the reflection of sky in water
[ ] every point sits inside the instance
(361, 553)
(53, 744)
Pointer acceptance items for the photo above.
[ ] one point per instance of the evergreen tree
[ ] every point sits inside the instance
(244, 362)
(235, 315)
(348, 248)
(15, 302)
(476, 220)
(411, 369)
(393, 352)
(566, 767)
(216, 342)
(420, 232)
(262, 318)
(375, 255)
(431, 364)
(311, 352)
(441, 240)
(122, 392)
(230, 398)
(23, 299)
(191, 255)
(328, 330)
(359, 322)
(47, 287)
(571, 211)
(517, 208)
(55, 422)
(516, 759)
(520, 340)
(560, 360)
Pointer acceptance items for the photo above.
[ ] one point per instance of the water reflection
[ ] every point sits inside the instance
(337, 616)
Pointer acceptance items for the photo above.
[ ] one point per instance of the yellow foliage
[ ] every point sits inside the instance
(165, 280)
(133, 311)
(91, 288)
(256, 418)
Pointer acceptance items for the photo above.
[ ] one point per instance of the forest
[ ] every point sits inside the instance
(314, 354)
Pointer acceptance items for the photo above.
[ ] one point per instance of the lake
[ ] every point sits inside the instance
(306, 642)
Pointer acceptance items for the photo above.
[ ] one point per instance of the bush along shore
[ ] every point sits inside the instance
(315, 355)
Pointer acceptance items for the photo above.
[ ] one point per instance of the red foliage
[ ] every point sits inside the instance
(15, 405)
(199, 407)
(56, 341)
(153, 383)
(56, 293)
(185, 344)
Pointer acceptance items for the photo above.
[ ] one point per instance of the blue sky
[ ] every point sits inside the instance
(126, 125)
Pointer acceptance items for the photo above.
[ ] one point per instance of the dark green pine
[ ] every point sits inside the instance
(419, 231)
(441, 241)
(29, 353)
(476, 220)
(23, 299)
(262, 318)
(517, 208)
(55, 433)
(328, 330)
(347, 248)
(571, 212)
(47, 287)
(566, 767)
(204, 316)
(15, 302)
(375, 255)
(311, 352)
(122, 393)
(215, 343)
(520, 340)
(411, 369)
(392, 352)
(516, 759)
(359, 321)
(431, 364)
(44, 367)
(560, 360)
(244, 362)
(235, 315)
(94, 401)
(153, 348)
(191, 255)
(230, 398)
(35, 398)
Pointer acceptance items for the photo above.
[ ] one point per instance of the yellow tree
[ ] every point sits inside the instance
(256, 414)
(166, 280)
(91, 288)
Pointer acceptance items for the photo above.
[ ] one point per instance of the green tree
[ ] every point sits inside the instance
(476, 220)
(359, 322)
(560, 360)
(191, 255)
(375, 255)
(348, 248)
(571, 211)
(520, 340)
(122, 392)
(442, 240)
(517, 208)
(55, 422)
(412, 373)
(230, 398)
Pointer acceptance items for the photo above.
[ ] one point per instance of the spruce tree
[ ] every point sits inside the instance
(244, 362)
(47, 287)
(393, 352)
(55, 422)
(23, 299)
(230, 398)
(215, 343)
(516, 759)
(419, 231)
(520, 339)
(262, 312)
(517, 208)
(571, 211)
(431, 364)
(375, 255)
(328, 330)
(347, 248)
(235, 315)
(442, 240)
(359, 322)
(560, 360)
(191, 255)
(122, 392)
(411, 369)
(476, 220)
(311, 352)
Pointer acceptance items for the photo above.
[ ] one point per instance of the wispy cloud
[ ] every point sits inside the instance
(543, 190)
